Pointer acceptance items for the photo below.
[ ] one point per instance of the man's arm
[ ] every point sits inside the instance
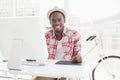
(77, 48)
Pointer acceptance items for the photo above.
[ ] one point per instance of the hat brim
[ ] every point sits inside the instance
(56, 10)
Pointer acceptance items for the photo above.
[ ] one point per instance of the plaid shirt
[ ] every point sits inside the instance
(70, 43)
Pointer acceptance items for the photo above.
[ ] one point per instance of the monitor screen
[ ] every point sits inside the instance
(27, 29)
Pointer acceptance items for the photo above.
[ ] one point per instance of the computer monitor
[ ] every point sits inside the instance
(29, 30)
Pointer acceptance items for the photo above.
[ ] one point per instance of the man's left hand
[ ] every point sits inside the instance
(77, 58)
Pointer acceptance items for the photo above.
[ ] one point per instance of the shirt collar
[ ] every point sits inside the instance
(64, 32)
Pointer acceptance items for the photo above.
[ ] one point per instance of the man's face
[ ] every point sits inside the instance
(57, 21)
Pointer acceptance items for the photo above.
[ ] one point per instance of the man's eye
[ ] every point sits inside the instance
(59, 19)
(53, 20)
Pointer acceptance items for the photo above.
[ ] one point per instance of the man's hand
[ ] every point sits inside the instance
(77, 58)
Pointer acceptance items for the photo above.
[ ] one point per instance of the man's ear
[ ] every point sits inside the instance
(50, 21)
(64, 20)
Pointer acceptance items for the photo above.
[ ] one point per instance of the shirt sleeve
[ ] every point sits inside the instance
(77, 43)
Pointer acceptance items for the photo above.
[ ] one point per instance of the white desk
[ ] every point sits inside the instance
(50, 70)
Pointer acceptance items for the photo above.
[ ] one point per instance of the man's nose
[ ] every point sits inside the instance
(57, 23)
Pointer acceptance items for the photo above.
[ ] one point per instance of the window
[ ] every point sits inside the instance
(13, 8)
(5, 8)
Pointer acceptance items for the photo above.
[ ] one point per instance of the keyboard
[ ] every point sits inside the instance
(32, 63)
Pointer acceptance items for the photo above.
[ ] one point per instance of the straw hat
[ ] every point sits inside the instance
(55, 9)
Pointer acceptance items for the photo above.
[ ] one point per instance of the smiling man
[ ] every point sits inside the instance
(62, 43)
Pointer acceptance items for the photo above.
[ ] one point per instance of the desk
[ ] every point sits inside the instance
(50, 69)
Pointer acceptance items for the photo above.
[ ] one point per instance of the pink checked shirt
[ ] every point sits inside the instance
(70, 43)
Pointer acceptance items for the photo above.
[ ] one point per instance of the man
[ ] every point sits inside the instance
(62, 43)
